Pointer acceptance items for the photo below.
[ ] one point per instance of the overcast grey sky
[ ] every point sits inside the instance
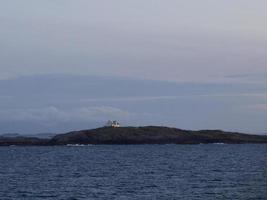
(213, 44)
(170, 40)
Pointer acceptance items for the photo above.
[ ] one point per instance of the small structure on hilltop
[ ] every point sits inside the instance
(113, 124)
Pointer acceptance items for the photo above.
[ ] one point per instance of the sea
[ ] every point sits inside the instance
(124, 172)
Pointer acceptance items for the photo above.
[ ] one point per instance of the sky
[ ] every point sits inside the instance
(182, 63)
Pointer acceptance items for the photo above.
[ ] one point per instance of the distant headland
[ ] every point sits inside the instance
(137, 135)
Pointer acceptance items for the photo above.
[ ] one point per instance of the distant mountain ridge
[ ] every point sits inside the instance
(38, 135)
(137, 135)
(10, 135)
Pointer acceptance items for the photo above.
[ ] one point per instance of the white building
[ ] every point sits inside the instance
(114, 124)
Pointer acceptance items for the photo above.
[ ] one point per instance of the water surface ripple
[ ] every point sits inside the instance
(134, 172)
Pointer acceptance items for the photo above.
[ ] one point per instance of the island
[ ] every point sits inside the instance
(137, 135)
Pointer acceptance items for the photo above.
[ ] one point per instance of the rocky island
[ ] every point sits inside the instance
(137, 135)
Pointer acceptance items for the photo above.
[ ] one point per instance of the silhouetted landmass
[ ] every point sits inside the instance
(139, 135)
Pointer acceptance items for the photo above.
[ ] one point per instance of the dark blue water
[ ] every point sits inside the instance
(134, 172)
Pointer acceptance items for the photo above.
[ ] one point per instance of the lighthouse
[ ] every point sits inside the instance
(113, 124)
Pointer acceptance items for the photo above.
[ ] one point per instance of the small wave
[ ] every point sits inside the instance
(78, 145)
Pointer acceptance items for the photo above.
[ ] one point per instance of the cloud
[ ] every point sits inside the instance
(164, 97)
(253, 78)
(64, 115)
(259, 107)
(5, 97)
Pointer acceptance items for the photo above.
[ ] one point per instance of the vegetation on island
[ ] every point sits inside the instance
(137, 135)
